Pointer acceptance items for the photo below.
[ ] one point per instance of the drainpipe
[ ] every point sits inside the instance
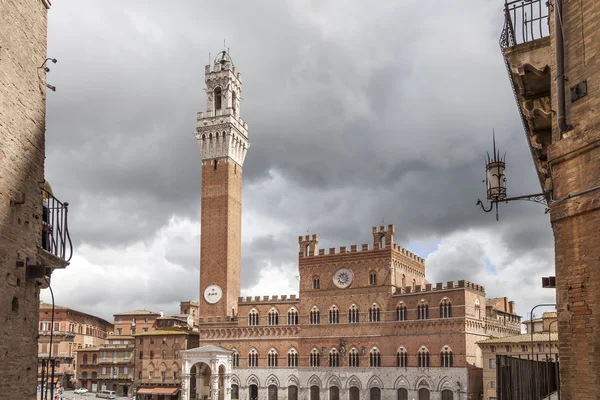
(559, 53)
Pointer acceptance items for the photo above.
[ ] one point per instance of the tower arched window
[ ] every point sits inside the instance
(235, 358)
(292, 358)
(423, 357)
(334, 358)
(316, 281)
(315, 316)
(374, 313)
(353, 317)
(403, 281)
(273, 317)
(477, 309)
(401, 312)
(272, 358)
(353, 358)
(446, 357)
(423, 310)
(372, 278)
(234, 102)
(218, 98)
(315, 358)
(402, 358)
(375, 358)
(292, 316)
(253, 358)
(414, 285)
(334, 315)
(445, 308)
(253, 318)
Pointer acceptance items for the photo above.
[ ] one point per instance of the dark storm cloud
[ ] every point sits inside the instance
(357, 113)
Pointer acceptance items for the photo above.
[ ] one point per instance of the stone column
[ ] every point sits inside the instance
(227, 387)
(214, 386)
(185, 387)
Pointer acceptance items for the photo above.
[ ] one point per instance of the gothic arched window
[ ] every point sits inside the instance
(292, 316)
(374, 313)
(353, 358)
(423, 357)
(334, 358)
(234, 102)
(273, 317)
(353, 314)
(445, 308)
(315, 358)
(372, 278)
(401, 312)
(235, 358)
(272, 358)
(253, 318)
(292, 358)
(334, 315)
(218, 98)
(423, 310)
(447, 359)
(253, 358)
(315, 316)
(375, 358)
(402, 358)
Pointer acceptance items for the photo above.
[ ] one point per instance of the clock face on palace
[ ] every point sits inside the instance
(343, 278)
(212, 294)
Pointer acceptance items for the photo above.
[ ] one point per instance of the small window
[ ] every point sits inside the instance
(316, 283)
(218, 98)
(508, 349)
(235, 359)
(492, 363)
(373, 278)
(493, 349)
(164, 340)
(141, 340)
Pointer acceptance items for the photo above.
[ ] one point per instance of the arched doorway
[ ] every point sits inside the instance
(354, 393)
(235, 392)
(447, 395)
(402, 394)
(272, 394)
(200, 381)
(314, 393)
(334, 393)
(253, 389)
(375, 393)
(423, 394)
(292, 392)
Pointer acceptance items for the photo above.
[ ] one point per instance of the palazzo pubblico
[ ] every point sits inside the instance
(366, 323)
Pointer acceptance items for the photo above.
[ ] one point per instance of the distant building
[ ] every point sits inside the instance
(545, 347)
(70, 332)
(108, 366)
(132, 322)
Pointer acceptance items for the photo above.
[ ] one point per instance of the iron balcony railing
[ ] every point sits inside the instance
(55, 230)
(524, 21)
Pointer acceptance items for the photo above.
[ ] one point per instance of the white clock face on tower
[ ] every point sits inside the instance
(212, 294)
(343, 278)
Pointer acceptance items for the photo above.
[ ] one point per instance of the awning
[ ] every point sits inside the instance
(167, 391)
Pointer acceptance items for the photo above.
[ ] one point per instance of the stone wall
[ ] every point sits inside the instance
(22, 126)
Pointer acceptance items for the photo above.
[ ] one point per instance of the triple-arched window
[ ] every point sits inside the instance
(423, 357)
(374, 313)
(334, 358)
(273, 317)
(402, 357)
(445, 308)
(423, 310)
(253, 358)
(401, 312)
(292, 316)
(315, 316)
(292, 358)
(334, 315)
(446, 357)
(315, 358)
(353, 358)
(272, 358)
(375, 358)
(253, 318)
(353, 317)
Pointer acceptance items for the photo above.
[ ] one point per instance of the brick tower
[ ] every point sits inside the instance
(223, 140)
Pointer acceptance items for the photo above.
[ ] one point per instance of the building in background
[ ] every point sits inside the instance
(136, 321)
(33, 223)
(550, 49)
(545, 347)
(366, 325)
(189, 308)
(61, 337)
(108, 366)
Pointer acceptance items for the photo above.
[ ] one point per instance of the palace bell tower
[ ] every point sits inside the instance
(223, 140)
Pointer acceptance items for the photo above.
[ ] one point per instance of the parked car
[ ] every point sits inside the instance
(107, 394)
(81, 390)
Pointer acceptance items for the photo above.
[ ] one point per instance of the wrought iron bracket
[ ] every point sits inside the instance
(539, 198)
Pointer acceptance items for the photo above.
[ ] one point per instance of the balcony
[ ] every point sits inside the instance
(55, 250)
(525, 43)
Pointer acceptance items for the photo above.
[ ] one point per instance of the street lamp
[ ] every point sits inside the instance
(495, 181)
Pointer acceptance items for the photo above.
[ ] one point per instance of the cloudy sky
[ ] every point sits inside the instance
(357, 113)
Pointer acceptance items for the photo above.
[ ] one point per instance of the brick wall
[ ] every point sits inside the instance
(22, 124)
(575, 166)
